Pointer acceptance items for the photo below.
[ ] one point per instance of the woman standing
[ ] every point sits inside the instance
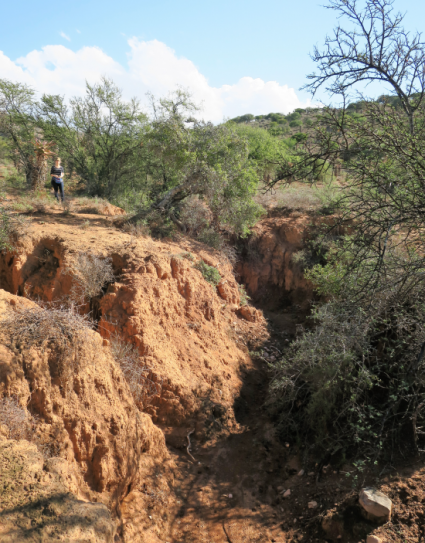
(56, 174)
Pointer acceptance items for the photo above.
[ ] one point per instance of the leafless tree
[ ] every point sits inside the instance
(374, 47)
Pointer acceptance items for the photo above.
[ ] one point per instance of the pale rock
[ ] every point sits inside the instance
(373, 539)
(301, 473)
(312, 505)
(376, 505)
(287, 493)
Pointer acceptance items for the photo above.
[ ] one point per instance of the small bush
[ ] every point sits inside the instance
(188, 256)
(12, 227)
(15, 418)
(211, 237)
(230, 253)
(354, 385)
(90, 274)
(136, 374)
(244, 298)
(58, 328)
(315, 251)
(195, 215)
(138, 230)
(85, 225)
(68, 207)
(209, 273)
(160, 225)
(39, 203)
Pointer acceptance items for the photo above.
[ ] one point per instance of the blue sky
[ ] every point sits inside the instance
(222, 42)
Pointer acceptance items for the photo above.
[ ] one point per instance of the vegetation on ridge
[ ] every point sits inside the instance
(354, 384)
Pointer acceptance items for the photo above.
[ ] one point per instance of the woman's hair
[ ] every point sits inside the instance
(58, 159)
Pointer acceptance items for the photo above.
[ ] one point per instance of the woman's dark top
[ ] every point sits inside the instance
(57, 171)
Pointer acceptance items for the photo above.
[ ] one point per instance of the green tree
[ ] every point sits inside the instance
(18, 124)
(100, 135)
(265, 151)
(191, 157)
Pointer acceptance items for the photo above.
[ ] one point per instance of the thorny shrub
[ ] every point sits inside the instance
(15, 419)
(355, 384)
(90, 274)
(196, 219)
(314, 251)
(159, 224)
(12, 227)
(195, 216)
(137, 375)
(211, 237)
(137, 230)
(209, 273)
(58, 329)
(93, 206)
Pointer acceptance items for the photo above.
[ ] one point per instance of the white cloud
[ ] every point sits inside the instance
(77, 31)
(65, 36)
(152, 66)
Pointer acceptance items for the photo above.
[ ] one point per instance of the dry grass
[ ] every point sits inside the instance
(138, 230)
(44, 202)
(57, 328)
(15, 419)
(12, 228)
(301, 197)
(35, 203)
(245, 532)
(85, 225)
(90, 274)
(137, 375)
(92, 206)
(68, 207)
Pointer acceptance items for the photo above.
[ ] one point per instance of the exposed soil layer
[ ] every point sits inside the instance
(87, 423)
(190, 335)
(36, 504)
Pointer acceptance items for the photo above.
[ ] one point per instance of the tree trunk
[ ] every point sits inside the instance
(166, 203)
(38, 174)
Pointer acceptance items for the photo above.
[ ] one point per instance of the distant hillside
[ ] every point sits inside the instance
(300, 120)
(279, 124)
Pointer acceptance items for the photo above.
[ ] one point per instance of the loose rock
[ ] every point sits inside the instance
(376, 506)
(312, 505)
(373, 539)
(287, 493)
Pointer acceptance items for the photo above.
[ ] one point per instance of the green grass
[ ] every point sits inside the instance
(209, 273)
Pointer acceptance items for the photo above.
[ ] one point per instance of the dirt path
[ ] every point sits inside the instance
(230, 493)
